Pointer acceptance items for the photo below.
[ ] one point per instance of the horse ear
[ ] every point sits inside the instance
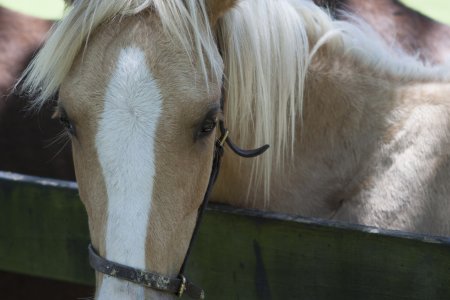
(217, 8)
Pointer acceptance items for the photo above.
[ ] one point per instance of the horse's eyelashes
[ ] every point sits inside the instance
(66, 122)
(209, 125)
(206, 128)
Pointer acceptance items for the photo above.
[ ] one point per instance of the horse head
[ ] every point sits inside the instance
(141, 106)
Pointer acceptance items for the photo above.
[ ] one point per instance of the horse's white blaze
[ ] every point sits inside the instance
(125, 144)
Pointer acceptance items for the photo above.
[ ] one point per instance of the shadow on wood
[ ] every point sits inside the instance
(240, 254)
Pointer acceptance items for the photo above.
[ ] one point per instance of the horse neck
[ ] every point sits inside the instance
(349, 109)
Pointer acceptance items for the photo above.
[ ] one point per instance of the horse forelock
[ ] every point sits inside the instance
(186, 21)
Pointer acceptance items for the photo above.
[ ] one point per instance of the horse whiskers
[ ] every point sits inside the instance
(59, 151)
(64, 138)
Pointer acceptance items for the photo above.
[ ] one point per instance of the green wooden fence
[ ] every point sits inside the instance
(240, 254)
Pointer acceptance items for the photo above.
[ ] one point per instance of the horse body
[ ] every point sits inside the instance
(368, 170)
(356, 133)
(25, 142)
(375, 156)
(18, 36)
(399, 25)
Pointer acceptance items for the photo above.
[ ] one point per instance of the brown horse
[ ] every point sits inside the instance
(26, 140)
(399, 25)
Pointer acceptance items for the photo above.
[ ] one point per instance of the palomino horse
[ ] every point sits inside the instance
(24, 144)
(357, 133)
(399, 24)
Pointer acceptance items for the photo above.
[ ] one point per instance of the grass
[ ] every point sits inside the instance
(53, 9)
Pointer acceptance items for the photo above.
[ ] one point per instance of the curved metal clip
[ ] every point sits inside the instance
(182, 288)
(223, 138)
(241, 152)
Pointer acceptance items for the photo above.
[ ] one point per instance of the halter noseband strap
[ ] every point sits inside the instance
(178, 286)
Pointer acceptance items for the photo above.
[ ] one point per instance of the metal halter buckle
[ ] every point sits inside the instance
(223, 138)
(182, 286)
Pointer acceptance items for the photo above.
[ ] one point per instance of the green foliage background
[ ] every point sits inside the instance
(53, 9)
(47, 9)
(437, 9)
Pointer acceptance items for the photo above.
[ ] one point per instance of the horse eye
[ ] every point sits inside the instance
(208, 126)
(64, 120)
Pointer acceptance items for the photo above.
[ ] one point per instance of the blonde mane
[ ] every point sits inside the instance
(267, 47)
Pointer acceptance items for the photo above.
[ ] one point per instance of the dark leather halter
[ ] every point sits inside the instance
(180, 285)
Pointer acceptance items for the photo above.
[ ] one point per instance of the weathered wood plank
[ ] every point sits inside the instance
(43, 229)
(255, 257)
(240, 254)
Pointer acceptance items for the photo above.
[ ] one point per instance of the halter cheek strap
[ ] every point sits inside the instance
(180, 285)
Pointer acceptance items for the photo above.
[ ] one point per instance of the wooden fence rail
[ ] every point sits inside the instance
(240, 254)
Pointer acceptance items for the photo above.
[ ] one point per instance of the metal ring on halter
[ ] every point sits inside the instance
(182, 286)
(224, 137)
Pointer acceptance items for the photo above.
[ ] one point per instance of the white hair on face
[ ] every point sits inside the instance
(267, 47)
(125, 144)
